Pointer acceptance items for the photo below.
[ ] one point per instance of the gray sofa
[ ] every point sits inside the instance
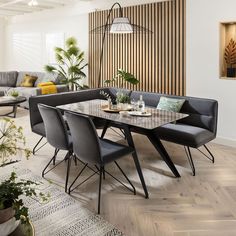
(199, 128)
(11, 80)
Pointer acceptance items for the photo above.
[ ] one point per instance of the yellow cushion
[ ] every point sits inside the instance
(28, 81)
(45, 84)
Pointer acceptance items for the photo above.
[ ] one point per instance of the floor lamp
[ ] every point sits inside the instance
(120, 25)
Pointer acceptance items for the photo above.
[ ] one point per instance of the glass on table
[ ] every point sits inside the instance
(134, 105)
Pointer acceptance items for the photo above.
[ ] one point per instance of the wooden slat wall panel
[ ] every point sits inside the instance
(158, 59)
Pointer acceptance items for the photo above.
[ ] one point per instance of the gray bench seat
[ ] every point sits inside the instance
(186, 135)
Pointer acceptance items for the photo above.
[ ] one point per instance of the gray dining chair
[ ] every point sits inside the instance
(93, 151)
(57, 136)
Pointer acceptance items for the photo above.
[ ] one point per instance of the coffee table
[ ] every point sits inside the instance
(12, 103)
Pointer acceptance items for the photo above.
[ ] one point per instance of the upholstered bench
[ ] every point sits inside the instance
(196, 130)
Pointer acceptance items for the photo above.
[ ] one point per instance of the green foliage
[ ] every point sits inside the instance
(10, 192)
(122, 97)
(70, 64)
(122, 76)
(230, 53)
(12, 141)
(14, 93)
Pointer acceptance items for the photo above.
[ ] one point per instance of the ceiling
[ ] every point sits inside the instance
(19, 7)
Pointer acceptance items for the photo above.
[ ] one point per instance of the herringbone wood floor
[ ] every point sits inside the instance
(203, 205)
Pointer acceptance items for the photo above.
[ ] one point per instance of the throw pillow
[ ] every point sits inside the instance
(170, 104)
(28, 81)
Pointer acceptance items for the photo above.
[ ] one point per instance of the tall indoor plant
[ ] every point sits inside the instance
(12, 208)
(70, 64)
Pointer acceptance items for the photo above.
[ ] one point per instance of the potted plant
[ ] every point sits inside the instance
(230, 57)
(12, 209)
(118, 81)
(70, 65)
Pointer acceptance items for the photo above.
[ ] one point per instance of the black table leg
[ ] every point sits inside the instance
(14, 110)
(154, 139)
(135, 157)
(106, 126)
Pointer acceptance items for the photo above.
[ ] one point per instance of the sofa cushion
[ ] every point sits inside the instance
(28, 81)
(170, 104)
(183, 134)
(21, 75)
(8, 79)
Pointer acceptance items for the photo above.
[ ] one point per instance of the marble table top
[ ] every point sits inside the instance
(93, 108)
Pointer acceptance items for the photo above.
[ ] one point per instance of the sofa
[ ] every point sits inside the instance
(12, 80)
(194, 131)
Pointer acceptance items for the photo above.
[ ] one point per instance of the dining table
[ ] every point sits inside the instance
(148, 122)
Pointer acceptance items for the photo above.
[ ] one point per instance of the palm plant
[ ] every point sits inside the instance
(70, 64)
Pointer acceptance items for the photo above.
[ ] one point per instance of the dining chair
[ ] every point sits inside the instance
(57, 136)
(94, 151)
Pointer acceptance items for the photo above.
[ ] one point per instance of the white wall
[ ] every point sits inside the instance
(32, 28)
(2, 42)
(203, 18)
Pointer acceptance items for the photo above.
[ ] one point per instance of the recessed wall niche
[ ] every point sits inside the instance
(228, 50)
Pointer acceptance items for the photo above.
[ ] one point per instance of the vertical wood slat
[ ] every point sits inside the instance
(157, 59)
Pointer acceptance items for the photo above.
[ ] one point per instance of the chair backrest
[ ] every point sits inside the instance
(84, 137)
(56, 131)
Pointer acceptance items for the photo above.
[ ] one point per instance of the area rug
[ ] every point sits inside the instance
(61, 215)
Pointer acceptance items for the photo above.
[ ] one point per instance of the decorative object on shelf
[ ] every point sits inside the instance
(70, 65)
(12, 209)
(230, 58)
(119, 25)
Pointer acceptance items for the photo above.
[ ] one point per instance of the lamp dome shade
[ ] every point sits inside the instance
(121, 25)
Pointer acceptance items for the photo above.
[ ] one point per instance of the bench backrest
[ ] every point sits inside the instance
(202, 112)
(60, 99)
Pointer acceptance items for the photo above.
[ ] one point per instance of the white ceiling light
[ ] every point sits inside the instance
(33, 3)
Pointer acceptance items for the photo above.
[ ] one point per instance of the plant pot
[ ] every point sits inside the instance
(8, 223)
(230, 72)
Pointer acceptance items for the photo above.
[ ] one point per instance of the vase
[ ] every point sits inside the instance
(8, 223)
(230, 72)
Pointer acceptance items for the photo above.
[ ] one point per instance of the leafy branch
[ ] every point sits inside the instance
(230, 53)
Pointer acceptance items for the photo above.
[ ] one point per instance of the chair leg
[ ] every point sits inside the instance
(35, 147)
(68, 170)
(70, 190)
(211, 157)
(99, 190)
(190, 159)
(104, 173)
(53, 158)
(134, 190)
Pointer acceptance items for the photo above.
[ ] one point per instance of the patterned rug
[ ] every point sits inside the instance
(61, 215)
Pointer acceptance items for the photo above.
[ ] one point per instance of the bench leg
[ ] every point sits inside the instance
(211, 157)
(190, 159)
